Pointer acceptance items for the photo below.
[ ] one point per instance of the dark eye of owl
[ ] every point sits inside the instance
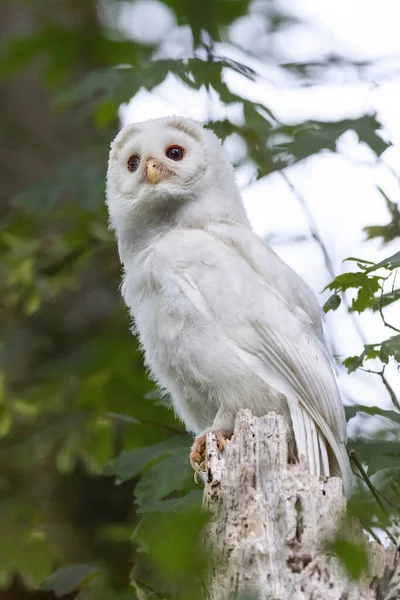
(174, 152)
(133, 163)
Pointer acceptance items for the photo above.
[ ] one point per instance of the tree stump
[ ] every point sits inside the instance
(271, 521)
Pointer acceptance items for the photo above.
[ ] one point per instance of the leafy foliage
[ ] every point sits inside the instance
(89, 453)
(380, 453)
(367, 285)
(384, 351)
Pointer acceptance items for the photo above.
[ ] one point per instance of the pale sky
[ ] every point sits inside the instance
(339, 189)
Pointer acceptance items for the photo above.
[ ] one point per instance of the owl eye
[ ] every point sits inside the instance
(133, 163)
(174, 152)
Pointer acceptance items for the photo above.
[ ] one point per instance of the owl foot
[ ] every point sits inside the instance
(198, 454)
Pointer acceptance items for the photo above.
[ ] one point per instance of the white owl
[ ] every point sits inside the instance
(223, 322)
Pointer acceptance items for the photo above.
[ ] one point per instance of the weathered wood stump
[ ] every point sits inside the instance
(271, 521)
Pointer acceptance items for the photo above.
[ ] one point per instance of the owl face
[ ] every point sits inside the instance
(168, 172)
(154, 161)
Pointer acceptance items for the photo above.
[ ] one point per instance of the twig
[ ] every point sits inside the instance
(389, 388)
(328, 261)
(354, 457)
(382, 315)
(394, 279)
(387, 385)
(373, 491)
(373, 535)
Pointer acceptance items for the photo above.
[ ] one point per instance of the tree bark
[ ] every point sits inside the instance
(272, 520)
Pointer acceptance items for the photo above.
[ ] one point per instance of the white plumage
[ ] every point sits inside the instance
(223, 322)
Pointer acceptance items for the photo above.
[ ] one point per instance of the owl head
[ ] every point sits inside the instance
(172, 171)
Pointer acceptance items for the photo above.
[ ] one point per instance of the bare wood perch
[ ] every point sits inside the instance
(271, 521)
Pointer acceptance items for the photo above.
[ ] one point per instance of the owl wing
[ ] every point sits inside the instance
(272, 268)
(273, 324)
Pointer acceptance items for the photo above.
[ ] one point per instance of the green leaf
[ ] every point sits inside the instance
(346, 281)
(332, 303)
(377, 453)
(392, 262)
(386, 350)
(120, 418)
(159, 480)
(64, 44)
(112, 87)
(386, 299)
(312, 137)
(366, 294)
(388, 232)
(174, 546)
(210, 16)
(364, 263)
(197, 73)
(63, 48)
(44, 430)
(174, 505)
(352, 555)
(354, 409)
(73, 182)
(132, 462)
(362, 504)
(106, 113)
(368, 285)
(64, 581)
(352, 363)
(390, 348)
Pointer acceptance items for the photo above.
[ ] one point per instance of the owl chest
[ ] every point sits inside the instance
(158, 327)
(161, 315)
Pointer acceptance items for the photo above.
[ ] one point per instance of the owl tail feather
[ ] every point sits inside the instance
(324, 454)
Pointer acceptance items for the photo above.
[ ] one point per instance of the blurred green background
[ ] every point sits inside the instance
(97, 499)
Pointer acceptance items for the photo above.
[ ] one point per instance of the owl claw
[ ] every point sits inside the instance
(201, 468)
(221, 441)
(198, 454)
(222, 437)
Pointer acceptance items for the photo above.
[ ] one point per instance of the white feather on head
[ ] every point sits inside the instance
(201, 190)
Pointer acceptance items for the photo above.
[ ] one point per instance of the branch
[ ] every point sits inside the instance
(272, 522)
(328, 261)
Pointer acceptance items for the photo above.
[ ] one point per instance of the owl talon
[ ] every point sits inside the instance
(222, 437)
(221, 444)
(200, 468)
(198, 454)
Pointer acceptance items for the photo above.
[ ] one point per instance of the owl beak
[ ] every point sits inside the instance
(155, 171)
